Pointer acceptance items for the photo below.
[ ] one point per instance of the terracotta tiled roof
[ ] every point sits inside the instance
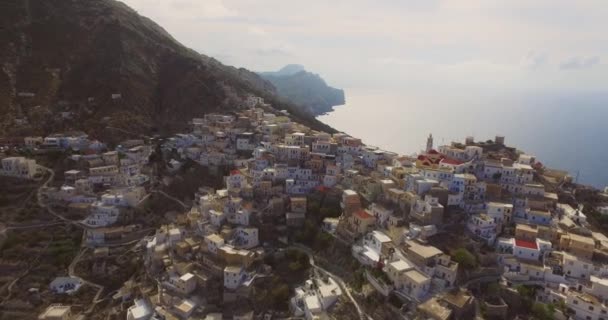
(526, 244)
(362, 214)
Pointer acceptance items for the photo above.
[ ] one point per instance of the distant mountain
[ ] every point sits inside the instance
(305, 89)
(89, 65)
(288, 70)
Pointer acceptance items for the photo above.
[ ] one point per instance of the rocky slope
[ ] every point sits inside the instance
(62, 60)
(305, 89)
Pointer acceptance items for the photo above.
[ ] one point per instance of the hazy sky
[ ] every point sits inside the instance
(452, 45)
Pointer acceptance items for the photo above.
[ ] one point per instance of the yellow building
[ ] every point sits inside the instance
(577, 245)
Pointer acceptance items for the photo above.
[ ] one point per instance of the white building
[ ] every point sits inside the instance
(56, 312)
(19, 167)
(217, 218)
(233, 277)
(395, 271)
(246, 238)
(69, 285)
(482, 226)
(141, 310)
(102, 215)
(381, 213)
(500, 212)
(127, 197)
(315, 297)
(527, 250)
(184, 284)
(415, 284)
(370, 253)
(213, 242)
(586, 306)
(329, 292)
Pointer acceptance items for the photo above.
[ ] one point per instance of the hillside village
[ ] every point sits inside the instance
(310, 225)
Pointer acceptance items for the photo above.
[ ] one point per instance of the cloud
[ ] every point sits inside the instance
(215, 9)
(394, 61)
(273, 52)
(481, 43)
(183, 10)
(535, 60)
(257, 31)
(578, 63)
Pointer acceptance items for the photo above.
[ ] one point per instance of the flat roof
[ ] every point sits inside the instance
(186, 306)
(458, 298)
(422, 250)
(233, 269)
(56, 311)
(371, 254)
(312, 302)
(381, 236)
(416, 276)
(525, 227)
(435, 309)
(140, 309)
(599, 236)
(540, 213)
(215, 237)
(400, 265)
(187, 276)
(583, 239)
(502, 204)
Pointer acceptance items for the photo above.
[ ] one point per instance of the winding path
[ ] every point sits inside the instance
(31, 225)
(72, 273)
(26, 271)
(42, 204)
(168, 196)
(343, 286)
(63, 220)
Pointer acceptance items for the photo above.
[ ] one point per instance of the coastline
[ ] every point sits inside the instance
(400, 123)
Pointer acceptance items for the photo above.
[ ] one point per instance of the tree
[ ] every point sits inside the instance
(322, 240)
(541, 311)
(280, 296)
(466, 259)
(493, 289)
(496, 176)
(295, 266)
(527, 294)
(358, 280)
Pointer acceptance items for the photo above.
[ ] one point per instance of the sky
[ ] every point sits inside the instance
(433, 46)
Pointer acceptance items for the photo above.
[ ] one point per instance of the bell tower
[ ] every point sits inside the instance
(429, 143)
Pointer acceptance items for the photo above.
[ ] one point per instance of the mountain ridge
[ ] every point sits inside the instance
(68, 56)
(305, 89)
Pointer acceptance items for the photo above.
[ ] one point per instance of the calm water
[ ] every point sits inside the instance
(568, 132)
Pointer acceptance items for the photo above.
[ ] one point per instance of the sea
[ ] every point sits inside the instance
(564, 131)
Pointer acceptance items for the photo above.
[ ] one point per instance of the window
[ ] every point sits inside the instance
(575, 301)
(591, 308)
